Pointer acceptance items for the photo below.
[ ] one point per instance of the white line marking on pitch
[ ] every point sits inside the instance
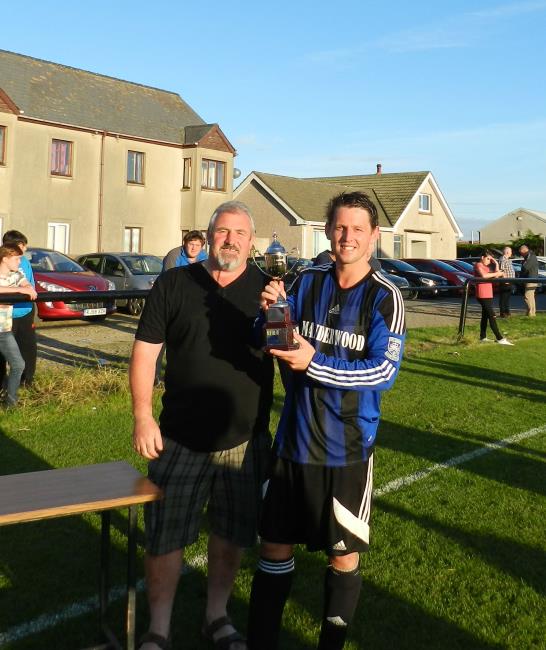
(456, 460)
(91, 604)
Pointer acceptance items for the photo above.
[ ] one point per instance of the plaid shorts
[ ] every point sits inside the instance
(229, 481)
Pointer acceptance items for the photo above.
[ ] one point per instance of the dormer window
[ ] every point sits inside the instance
(425, 203)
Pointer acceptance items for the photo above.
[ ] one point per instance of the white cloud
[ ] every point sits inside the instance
(515, 9)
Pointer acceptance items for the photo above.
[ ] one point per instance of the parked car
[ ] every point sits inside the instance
(454, 276)
(398, 281)
(434, 283)
(54, 271)
(462, 265)
(126, 271)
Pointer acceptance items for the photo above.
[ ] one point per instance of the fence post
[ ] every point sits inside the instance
(464, 307)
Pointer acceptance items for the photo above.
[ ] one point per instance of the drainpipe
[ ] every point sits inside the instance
(101, 191)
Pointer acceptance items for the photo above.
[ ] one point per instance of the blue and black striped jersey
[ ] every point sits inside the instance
(331, 411)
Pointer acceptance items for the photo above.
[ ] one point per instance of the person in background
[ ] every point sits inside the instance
(191, 251)
(484, 295)
(505, 288)
(23, 316)
(12, 280)
(529, 269)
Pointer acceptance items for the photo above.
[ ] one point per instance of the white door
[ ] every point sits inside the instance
(58, 235)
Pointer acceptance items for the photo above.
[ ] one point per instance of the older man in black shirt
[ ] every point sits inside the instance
(212, 441)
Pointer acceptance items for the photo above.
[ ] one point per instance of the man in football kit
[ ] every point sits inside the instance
(351, 337)
(212, 444)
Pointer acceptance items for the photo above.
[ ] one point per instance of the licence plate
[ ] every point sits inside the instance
(95, 312)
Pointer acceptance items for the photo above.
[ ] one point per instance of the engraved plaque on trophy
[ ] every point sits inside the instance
(279, 327)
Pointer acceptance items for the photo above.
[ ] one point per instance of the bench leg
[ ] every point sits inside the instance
(131, 576)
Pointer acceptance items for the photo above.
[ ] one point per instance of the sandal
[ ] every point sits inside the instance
(224, 642)
(151, 637)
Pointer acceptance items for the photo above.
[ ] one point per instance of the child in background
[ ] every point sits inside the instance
(12, 280)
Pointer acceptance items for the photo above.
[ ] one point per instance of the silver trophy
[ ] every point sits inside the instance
(279, 326)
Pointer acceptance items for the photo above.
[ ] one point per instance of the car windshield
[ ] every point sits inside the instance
(396, 265)
(143, 264)
(52, 262)
(463, 266)
(443, 266)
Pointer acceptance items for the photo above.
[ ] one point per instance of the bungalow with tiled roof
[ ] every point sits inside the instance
(90, 162)
(414, 217)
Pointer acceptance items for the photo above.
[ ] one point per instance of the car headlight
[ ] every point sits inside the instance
(50, 286)
(111, 285)
(428, 281)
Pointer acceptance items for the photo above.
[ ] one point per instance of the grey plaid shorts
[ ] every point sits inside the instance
(229, 481)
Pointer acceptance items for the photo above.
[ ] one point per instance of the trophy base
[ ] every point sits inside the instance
(279, 336)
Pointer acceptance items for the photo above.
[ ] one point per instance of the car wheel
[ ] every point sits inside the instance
(135, 306)
(413, 295)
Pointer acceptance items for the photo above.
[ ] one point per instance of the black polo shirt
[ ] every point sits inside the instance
(218, 382)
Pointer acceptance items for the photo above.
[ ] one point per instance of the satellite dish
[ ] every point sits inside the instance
(236, 172)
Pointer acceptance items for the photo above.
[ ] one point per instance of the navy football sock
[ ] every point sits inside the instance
(270, 589)
(341, 594)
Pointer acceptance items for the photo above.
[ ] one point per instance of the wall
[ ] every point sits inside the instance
(30, 196)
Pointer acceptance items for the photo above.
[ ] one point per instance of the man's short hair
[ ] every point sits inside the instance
(352, 200)
(230, 206)
(14, 237)
(194, 234)
(9, 249)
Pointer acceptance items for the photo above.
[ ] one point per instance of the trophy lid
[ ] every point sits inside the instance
(275, 246)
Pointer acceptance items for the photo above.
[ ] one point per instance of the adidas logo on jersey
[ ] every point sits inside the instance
(340, 546)
(334, 310)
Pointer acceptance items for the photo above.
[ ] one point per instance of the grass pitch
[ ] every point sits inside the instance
(458, 553)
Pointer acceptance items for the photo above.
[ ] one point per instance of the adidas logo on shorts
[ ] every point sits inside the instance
(340, 546)
(334, 310)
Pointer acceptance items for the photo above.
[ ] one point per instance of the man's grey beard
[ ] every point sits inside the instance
(230, 264)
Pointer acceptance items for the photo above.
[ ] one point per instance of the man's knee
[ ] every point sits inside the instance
(278, 552)
(345, 563)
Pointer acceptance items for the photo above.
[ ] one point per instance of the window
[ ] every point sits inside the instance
(61, 158)
(2, 145)
(92, 263)
(186, 181)
(397, 247)
(58, 235)
(212, 174)
(135, 167)
(424, 202)
(113, 267)
(131, 239)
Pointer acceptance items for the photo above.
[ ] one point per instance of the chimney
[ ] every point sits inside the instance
(378, 169)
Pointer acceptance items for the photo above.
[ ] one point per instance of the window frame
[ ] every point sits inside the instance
(215, 164)
(130, 230)
(186, 174)
(55, 225)
(143, 167)
(3, 131)
(397, 243)
(428, 210)
(61, 174)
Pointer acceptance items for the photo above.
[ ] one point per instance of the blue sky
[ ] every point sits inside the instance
(319, 88)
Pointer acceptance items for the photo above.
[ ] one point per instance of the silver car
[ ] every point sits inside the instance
(126, 271)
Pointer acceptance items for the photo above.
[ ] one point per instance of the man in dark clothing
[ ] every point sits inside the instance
(529, 269)
(212, 442)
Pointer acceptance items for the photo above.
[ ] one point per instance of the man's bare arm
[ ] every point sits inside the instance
(147, 439)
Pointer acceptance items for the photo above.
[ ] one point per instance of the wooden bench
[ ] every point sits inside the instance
(75, 490)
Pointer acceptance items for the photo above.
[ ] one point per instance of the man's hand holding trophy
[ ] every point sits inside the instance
(279, 329)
